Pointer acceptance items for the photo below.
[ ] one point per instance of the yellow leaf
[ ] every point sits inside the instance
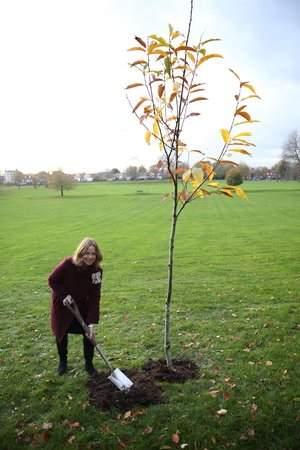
(175, 34)
(133, 49)
(159, 39)
(251, 96)
(214, 184)
(139, 61)
(210, 40)
(186, 176)
(133, 85)
(208, 170)
(206, 57)
(191, 56)
(240, 150)
(147, 136)
(225, 161)
(249, 86)
(228, 193)
(155, 129)
(240, 192)
(242, 142)
(244, 133)
(246, 122)
(197, 174)
(225, 135)
(152, 47)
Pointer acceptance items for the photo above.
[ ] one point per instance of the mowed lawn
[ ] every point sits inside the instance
(236, 312)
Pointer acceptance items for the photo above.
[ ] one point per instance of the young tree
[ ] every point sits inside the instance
(61, 181)
(170, 87)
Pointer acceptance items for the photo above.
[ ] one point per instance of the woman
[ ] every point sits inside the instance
(77, 277)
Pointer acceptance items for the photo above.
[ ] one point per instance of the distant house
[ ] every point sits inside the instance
(9, 176)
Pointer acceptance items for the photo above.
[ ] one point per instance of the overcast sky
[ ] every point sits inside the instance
(64, 66)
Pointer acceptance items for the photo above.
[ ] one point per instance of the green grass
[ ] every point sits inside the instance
(236, 313)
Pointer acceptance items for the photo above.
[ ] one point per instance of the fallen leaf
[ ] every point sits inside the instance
(127, 415)
(71, 439)
(148, 430)
(226, 396)
(214, 392)
(176, 437)
(251, 432)
(269, 363)
(222, 412)
(47, 426)
(74, 424)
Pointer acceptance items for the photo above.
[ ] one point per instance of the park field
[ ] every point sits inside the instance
(235, 312)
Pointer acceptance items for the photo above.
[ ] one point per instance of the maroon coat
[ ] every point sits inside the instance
(83, 284)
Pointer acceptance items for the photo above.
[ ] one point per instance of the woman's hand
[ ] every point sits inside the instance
(67, 300)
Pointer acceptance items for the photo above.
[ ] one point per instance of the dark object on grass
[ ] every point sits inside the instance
(184, 369)
(103, 395)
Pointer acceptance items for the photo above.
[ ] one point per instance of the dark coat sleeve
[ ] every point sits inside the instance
(56, 280)
(94, 301)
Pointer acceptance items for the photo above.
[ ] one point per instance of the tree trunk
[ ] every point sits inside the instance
(61, 190)
(167, 340)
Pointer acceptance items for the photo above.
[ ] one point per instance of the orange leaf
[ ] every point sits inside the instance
(172, 96)
(240, 150)
(139, 61)
(142, 100)
(133, 49)
(161, 89)
(184, 47)
(198, 99)
(244, 114)
(206, 57)
(133, 85)
(176, 437)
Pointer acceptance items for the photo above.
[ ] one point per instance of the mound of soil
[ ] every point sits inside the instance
(103, 394)
(184, 369)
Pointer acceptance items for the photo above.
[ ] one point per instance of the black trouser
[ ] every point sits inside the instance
(62, 346)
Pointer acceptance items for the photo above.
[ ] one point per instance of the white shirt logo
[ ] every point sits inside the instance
(96, 278)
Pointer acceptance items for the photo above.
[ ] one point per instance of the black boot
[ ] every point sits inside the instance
(62, 367)
(88, 351)
(62, 348)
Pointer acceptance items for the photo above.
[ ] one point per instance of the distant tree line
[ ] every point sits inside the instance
(287, 168)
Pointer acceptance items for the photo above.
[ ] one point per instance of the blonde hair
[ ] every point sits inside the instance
(82, 249)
